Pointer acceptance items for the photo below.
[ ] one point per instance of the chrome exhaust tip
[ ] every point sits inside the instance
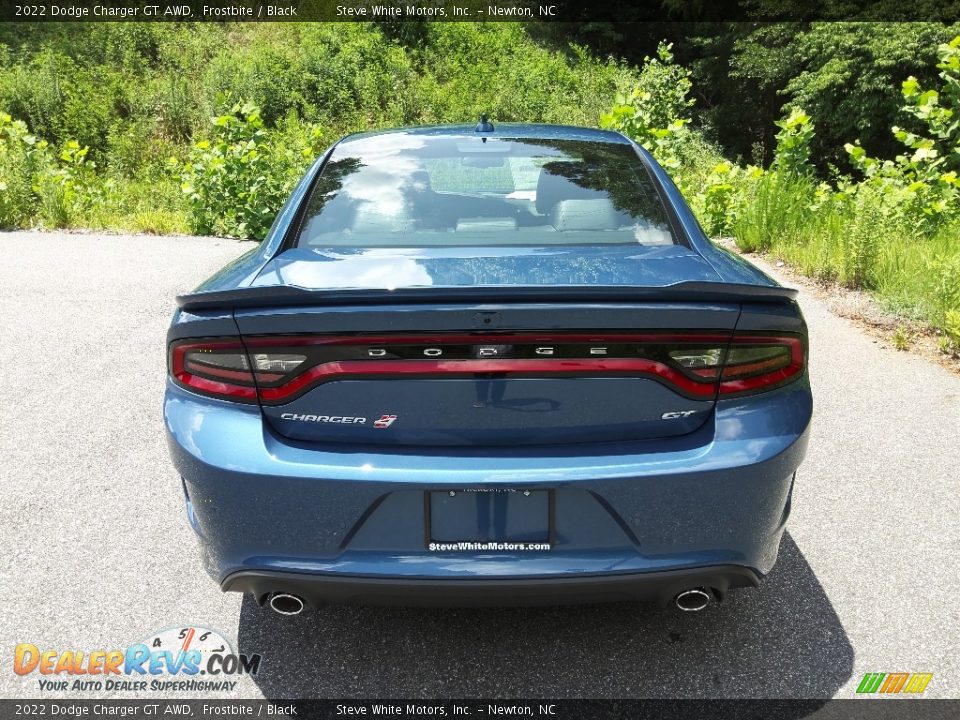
(693, 600)
(286, 604)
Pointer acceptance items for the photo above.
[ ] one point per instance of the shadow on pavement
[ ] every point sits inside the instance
(781, 641)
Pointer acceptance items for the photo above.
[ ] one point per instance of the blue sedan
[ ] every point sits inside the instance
(487, 365)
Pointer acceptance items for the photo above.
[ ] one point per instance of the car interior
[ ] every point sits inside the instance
(485, 201)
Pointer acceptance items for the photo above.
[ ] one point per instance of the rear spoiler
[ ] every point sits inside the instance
(283, 295)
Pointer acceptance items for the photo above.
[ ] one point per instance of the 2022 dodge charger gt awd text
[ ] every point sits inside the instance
(487, 366)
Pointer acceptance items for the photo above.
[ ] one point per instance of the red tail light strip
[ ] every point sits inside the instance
(241, 375)
(698, 382)
(214, 387)
(567, 366)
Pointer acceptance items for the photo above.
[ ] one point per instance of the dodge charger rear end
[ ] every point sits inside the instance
(487, 366)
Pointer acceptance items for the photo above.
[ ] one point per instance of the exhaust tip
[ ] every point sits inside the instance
(286, 604)
(693, 600)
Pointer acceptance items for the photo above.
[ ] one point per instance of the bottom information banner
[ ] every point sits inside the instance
(545, 709)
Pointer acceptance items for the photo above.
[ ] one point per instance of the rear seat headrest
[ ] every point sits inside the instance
(552, 188)
(371, 218)
(486, 224)
(420, 180)
(596, 214)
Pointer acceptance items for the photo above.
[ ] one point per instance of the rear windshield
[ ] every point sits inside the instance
(412, 190)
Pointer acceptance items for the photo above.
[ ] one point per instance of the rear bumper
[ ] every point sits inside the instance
(348, 523)
(659, 587)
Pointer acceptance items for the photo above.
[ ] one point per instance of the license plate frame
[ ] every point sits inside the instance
(507, 520)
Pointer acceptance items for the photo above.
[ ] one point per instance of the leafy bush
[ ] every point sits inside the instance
(231, 188)
(922, 184)
(792, 154)
(655, 111)
(20, 157)
(723, 195)
(35, 185)
(466, 69)
(846, 75)
(238, 179)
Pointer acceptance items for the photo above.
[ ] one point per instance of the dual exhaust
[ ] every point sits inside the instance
(286, 604)
(692, 600)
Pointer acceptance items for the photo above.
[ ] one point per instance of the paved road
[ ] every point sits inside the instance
(97, 552)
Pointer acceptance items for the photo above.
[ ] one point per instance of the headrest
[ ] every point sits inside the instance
(486, 224)
(420, 181)
(597, 214)
(552, 188)
(370, 218)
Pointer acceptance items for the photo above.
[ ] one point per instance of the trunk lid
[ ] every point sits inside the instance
(435, 375)
(567, 345)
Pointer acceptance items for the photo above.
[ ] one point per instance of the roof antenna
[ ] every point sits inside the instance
(484, 125)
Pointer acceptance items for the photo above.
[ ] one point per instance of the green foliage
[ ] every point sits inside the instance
(845, 74)
(944, 269)
(775, 212)
(921, 184)
(859, 245)
(67, 188)
(901, 338)
(938, 111)
(135, 95)
(320, 71)
(655, 112)
(718, 194)
(723, 196)
(20, 158)
(792, 155)
(238, 179)
(951, 329)
(465, 69)
(36, 184)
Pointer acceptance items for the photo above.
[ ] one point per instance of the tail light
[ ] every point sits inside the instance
(754, 364)
(276, 370)
(224, 368)
(750, 363)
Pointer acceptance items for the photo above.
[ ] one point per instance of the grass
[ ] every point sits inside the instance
(854, 243)
(777, 211)
(156, 207)
(901, 338)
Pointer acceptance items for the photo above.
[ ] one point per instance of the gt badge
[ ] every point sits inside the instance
(385, 421)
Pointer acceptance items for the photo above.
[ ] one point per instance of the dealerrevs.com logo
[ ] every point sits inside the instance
(185, 658)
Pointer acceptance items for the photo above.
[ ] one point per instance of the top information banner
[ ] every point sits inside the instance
(578, 11)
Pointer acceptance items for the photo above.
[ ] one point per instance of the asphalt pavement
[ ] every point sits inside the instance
(98, 553)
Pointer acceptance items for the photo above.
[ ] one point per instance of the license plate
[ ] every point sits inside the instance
(489, 516)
